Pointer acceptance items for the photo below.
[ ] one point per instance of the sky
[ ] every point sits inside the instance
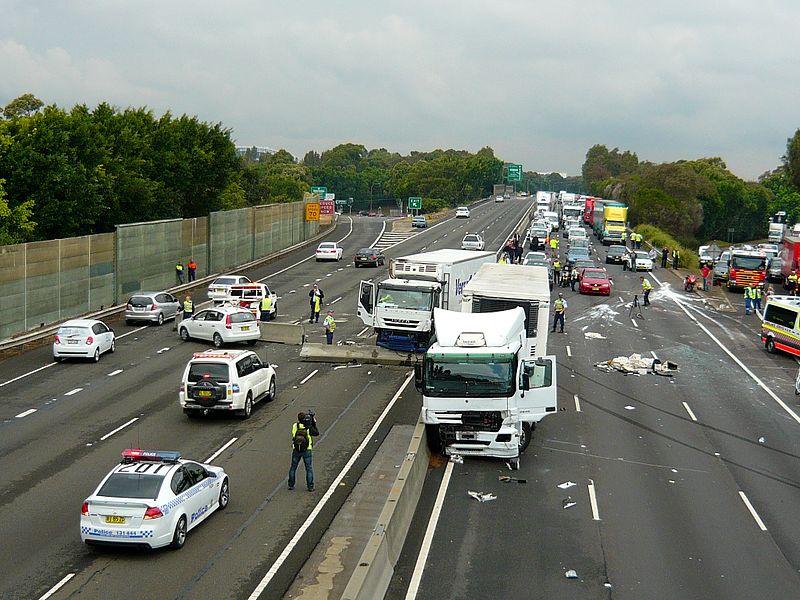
(539, 82)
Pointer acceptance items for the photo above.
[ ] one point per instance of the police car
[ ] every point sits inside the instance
(152, 498)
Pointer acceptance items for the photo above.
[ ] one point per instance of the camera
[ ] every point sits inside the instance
(309, 419)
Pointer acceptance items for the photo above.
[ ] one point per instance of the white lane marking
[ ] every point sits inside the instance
(73, 392)
(328, 493)
(752, 510)
(24, 414)
(569, 351)
(162, 350)
(362, 332)
(419, 567)
(120, 428)
(335, 301)
(309, 376)
(654, 354)
(47, 366)
(689, 410)
(117, 372)
(577, 403)
(635, 324)
(377, 239)
(306, 284)
(57, 586)
(227, 445)
(735, 359)
(119, 337)
(296, 322)
(593, 501)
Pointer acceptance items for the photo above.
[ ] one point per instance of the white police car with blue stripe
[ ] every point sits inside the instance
(152, 498)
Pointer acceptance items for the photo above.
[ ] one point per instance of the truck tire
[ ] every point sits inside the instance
(525, 437)
(434, 441)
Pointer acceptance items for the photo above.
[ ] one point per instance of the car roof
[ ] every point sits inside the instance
(327, 243)
(80, 323)
(150, 293)
(225, 308)
(368, 249)
(462, 208)
(216, 355)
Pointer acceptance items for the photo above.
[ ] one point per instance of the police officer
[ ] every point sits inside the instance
(676, 257)
(791, 283)
(573, 278)
(315, 297)
(329, 323)
(647, 287)
(559, 310)
(624, 238)
(188, 307)
(179, 272)
(556, 271)
(749, 298)
(302, 445)
(266, 307)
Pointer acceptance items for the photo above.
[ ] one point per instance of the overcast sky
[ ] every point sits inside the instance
(540, 82)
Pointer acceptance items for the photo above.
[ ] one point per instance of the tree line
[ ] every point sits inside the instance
(696, 200)
(73, 172)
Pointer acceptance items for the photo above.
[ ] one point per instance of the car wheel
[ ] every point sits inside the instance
(96, 357)
(113, 346)
(160, 319)
(179, 537)
(271, 392)
(192, 413)
(771, 345)
(251, 342)
(525, 436)
(224, 494)
(274, 314)
(248, 406)
(316, 260)
(217, 340)
(184, 333)
(355, 265)
(57, 358)
(434, 440)
(128, 321)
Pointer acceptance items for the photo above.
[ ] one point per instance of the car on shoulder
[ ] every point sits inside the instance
(152, 499)
(154, 307)
(221, 325)
(419, 221)
(83, 338)
(594, 281)
(369, 256)
(219, 288)
(472, 241)
(225, 381)
(638, 260)
(499, 199)
(616, 254)
(462, 212)
(328, 251)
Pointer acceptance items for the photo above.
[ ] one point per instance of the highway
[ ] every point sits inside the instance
(646, 486)
(63, 426)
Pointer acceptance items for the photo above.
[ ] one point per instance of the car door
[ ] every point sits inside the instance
(103, 337)
(196, 325)
(170, 304)
(257, 375)
(200, 494)
(213, 324)
(538, 393)
(366, 303)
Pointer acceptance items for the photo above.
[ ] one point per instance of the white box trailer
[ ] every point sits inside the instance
(401, 307)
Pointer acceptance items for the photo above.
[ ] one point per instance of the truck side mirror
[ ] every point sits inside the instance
(526, 381)
(418, 377)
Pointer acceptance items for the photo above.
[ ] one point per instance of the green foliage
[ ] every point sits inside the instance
(658, 238)
(785, 196)
(15, 223)
(24, 106)
(792, 159)
(602, 163)
(233, 196)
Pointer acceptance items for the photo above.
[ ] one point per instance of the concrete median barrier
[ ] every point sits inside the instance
(282, 333)
(375, 569)
(370, 355)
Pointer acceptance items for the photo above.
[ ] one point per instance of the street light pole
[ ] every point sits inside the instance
(370, 194)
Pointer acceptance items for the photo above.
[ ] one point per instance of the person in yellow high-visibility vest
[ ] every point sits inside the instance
(266, 308)
(330, 326)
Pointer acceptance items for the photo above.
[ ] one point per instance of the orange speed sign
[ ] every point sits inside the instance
(312, 211)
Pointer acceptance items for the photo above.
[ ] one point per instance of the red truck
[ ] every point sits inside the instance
(588, 211)
(790, 255)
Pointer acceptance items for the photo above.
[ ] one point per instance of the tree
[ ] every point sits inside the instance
(15, 224)
(24, 106)
(792, 159)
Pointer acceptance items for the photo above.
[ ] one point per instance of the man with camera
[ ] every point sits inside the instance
(302, 444)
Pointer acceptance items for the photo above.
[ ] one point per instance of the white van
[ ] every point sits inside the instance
(552, 218)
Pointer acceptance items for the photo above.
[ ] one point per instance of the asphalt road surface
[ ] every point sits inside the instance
(63, 426)
(646, 486)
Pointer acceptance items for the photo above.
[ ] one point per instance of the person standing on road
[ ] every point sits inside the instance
(664, 256)
(705, 272)
(315, 297)
(676, 258)
(653, 254)
(188, 307)
(749, 296)
(302, 446)
(647, 287)
(757, 299)
(791, 283)
(179, 272)
(623, 239)
(556, 272)
(559, 311)
(329, 323)
(266, 308)
(192, 268)
(554, 245)
(573, 279)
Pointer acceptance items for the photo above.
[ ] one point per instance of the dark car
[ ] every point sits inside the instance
(616, 254)
(369, 256)
(583, 263)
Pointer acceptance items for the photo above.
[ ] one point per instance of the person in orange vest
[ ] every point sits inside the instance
(192, 267)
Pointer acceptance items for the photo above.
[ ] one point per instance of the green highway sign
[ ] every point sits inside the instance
(319, 190)
(514, 173)
(414, 202)
(341, 201)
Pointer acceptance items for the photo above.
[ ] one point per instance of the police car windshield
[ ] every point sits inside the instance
(131, 485)
(216, 371)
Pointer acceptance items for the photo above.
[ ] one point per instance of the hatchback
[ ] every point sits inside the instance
(155, 307)
(221, 325)
(83, 338)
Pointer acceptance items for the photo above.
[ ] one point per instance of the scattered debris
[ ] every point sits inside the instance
(508, 479)
(566, 485)
(638, 365)
(607, 584)
(571, 574)
(568, 502)
(593, 336)
(629, 407)
(457, 458)
(482, 496)
(354, 366)
(762, 440)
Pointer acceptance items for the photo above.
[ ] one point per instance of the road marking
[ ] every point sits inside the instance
(57, 586)
(47, 366)
(73, 392)
(577, 403)
(635, 324)
(654, 354)
(569, 351)
(162, 350)
(689, 410)
(120, 428)
(24, 414)
(273, 570)
(309, 376)
(227, 445)
(593, 501)
(419, 567)
(119, 337)
(752, 511)
(335, 301)
(296, 322)
(117, 372)
(362, 332)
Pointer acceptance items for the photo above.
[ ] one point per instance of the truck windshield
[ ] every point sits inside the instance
(469, 375)
(747, 262)
(412, 299)
(615, 224)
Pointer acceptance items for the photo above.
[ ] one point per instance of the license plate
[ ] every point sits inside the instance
(204, 393)
(117, 520)
(138, 308)
(246, 328)
(465, 435)
(595, 289)
(72, 341)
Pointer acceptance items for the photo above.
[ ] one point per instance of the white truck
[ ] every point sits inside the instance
(777, 227)
(486, 381)
(401, 308)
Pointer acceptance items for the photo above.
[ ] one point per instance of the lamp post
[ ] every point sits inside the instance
(370, 194)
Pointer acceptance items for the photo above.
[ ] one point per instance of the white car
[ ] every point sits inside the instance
(249, 297)
(462, 212)
(536, 256)
(219, 288)
(221, 325)
(329, 251)
(152, 498)
(638, 260)
(228, 381)
(83, 338)
(472, 241)
(499, 199)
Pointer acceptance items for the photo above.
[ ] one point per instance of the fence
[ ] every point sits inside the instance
(44, 282)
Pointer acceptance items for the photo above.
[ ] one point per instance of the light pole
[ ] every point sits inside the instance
(370, 194)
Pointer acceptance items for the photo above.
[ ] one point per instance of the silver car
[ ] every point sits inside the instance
(83, 338)
(155, 307)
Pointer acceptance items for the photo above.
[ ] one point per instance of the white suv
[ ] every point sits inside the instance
(462, 212)
(221, 325)
(225, 380)
(472, 241)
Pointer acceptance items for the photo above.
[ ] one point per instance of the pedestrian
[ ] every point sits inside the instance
(791, 283)
(556, 271)
(315, 297)
(624, 238)
(192, 267)
(302, 446)
(329, 323)
(554, 245)
(676, 258)
(647, 287)
(266, 308)
(757, 299)
(748, 298)
(573, 279)
(559, 310)
(664, 256)
(519, 251)
(188, 307)
(179, 272)
(503, 259)
(653, 254)
(705, 272)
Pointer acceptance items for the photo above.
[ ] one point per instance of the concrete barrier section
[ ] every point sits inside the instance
(282, 333)
(369, 355)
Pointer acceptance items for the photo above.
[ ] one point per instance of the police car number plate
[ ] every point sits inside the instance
(246, 328)
(115, 519)
(204, 393)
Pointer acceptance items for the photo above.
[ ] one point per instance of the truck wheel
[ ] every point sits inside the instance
(525, 437)
(514, 463)
(434, 441)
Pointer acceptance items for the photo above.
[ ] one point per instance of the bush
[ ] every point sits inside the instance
(659, 238)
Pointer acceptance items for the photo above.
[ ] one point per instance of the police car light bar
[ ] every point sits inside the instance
(212, 354)
(134, 454)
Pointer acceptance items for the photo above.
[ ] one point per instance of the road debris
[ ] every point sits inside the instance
(457, 458)
(568, 502)
(591, 335)
(637, 364)
(629, 407)
(762, 440)
(508, 479)
(571, 574)
(566, 485)
(482, 496)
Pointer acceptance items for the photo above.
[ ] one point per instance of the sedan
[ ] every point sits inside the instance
(462, 212)
(638, 260)
(594, 281)
(219, 288)
(498, 199)
(369, 256)
(472, 241)
(328, 251)
(83, 338)
(155, 307)
(616, 254)
(576, 253)
(152, 498)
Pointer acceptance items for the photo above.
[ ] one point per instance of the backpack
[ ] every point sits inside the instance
(300, 439)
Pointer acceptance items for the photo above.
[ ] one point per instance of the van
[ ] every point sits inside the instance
(779, 329)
